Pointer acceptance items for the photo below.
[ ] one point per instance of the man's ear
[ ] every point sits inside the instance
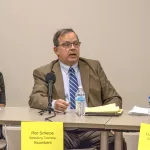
(56, 50)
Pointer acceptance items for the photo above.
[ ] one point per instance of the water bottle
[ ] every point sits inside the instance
(80, 102)
(149, 103)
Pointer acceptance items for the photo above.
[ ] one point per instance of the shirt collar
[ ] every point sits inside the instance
(66, 67)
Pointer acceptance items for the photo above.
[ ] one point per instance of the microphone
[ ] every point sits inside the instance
(50, 80)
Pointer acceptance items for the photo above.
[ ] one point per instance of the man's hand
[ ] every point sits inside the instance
(2, 105)
(61, 105)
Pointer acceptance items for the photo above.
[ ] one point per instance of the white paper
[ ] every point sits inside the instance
(139, 111)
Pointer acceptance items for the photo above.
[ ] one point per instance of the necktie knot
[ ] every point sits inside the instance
(71, 70)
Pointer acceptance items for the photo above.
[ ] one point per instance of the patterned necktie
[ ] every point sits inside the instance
(73, 87)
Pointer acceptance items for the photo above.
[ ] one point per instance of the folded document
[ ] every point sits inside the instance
(139, 111)
(110, 109)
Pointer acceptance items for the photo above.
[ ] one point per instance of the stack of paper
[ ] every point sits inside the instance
(110, 109)
(139, 111)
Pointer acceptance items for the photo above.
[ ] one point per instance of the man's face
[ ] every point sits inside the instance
(68, 50)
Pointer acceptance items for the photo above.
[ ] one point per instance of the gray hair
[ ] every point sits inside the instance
(59, 33)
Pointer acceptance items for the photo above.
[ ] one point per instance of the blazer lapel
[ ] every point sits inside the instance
(59, 84)
(84, 72)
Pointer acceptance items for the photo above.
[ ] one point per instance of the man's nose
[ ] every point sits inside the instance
(72, 46)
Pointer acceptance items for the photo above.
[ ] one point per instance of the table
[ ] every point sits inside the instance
(125, 123)
(14, 116)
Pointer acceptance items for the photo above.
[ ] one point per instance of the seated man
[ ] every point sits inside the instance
(88, 73)
(2, 104)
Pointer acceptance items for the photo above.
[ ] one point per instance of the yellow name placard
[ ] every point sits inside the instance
(42, 135)
(144, 138)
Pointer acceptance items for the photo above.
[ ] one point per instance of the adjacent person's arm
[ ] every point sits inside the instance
(109, 94)
(2, 91)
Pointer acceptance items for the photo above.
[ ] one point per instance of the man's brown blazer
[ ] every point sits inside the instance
(98, 90)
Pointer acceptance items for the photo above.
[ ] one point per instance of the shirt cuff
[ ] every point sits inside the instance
(53, 104)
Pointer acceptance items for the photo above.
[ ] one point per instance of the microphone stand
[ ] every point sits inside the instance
(49, 108)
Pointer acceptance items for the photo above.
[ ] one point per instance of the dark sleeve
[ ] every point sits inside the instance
(2, 90)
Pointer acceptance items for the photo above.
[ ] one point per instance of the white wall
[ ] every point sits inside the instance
(115, 32)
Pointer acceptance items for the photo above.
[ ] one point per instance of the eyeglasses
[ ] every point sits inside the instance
(68, 45)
